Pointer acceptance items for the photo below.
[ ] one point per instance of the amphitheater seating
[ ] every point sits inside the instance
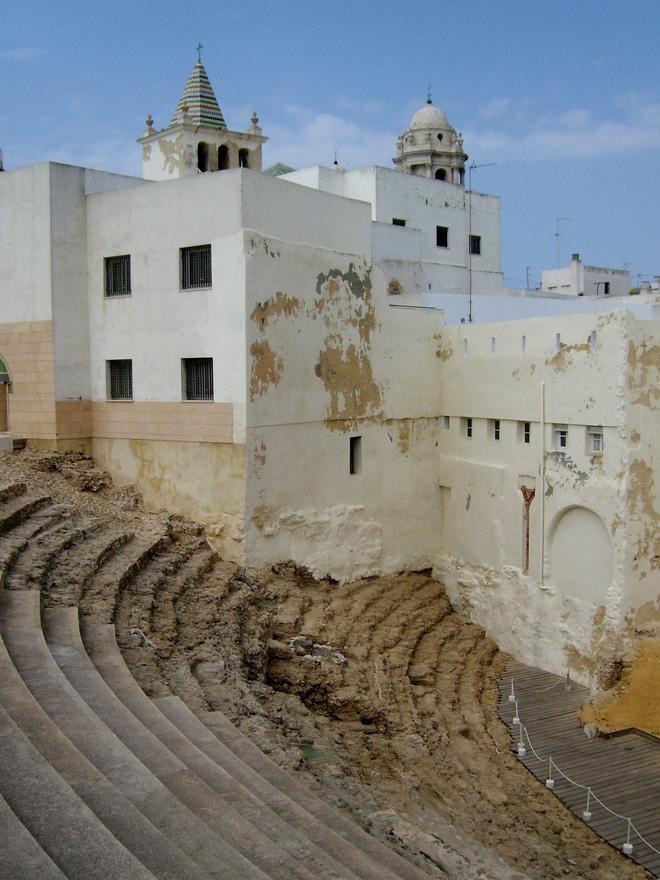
(97, 780)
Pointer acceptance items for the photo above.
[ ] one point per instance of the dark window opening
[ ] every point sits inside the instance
(244, 158)
(526, 432)
(198, 378)
(120, 380)
(117, 275)
(475, 244)
(223, 157)
(203, 156)
(441, 174)
(606, 288)
(355, 455)
(397, 221)
(496, 429)
(468, 427)
(442, 236)
(196, 267)
(440, 136)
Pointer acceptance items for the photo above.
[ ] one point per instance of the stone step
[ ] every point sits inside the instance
(20, 854)
(335, 845)
(126, 823)
(63, 826)
(18, 509)
(223, 803)
(250, 754)
(20, 626)
(102, 648)
(12, 490)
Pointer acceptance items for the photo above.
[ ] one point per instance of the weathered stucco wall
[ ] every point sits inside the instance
(205, 481)
(587, 510)
(328, 360)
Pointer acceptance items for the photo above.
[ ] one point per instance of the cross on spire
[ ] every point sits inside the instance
(199, 52)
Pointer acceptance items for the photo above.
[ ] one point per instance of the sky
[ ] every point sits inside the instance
(564, 98)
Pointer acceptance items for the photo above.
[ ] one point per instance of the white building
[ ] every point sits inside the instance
(256, 353)
(576, 279)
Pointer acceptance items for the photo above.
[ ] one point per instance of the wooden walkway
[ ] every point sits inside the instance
(622, 771)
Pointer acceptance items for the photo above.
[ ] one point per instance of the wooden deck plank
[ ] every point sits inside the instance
(623, 771)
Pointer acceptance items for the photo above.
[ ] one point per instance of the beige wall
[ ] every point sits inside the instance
(26, 347)
(207, 422)
(203, 481)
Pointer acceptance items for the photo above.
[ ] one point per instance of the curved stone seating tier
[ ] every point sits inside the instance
(99, 781)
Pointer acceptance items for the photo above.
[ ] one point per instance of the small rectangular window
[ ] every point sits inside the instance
(523, 344)
(442, 236)
(475, 244)
(525, 432)
(494, 429)
(117, 271)
(120, 380)
(594, 440)
(493, 345)
(445, 422)
(198, 378)
(560, 436)
(398, 221)
(606, 288)
(355, 455)
(196, 267)
(467, 426)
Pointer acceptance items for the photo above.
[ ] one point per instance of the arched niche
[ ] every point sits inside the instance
(581, 555)
(4, 395)
(203, 156)
(441, 174)
(223, 157)
(244, 158)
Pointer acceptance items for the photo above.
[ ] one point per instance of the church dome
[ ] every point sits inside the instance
(429, 116)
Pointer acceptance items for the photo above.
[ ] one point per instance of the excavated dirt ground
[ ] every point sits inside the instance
(635, 701)
(377, 691)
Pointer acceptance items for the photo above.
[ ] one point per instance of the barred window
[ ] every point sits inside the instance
(196, 267)
(120, 380)
(198, 378)
(118, 275)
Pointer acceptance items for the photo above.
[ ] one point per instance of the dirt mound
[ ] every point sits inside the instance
(377, 691)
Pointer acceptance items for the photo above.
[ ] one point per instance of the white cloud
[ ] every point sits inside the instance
(311, 139)
(495, 108)
(572, 134)
(20, 54)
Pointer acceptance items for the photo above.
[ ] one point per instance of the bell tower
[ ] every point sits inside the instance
(430, 147)
(197, 140)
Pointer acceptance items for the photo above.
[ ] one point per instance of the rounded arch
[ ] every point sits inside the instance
(441, 174)
(203, 156)
(244, 158)
(223, 157)
(581, 554)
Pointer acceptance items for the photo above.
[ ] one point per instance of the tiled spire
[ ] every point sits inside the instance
(198, 99)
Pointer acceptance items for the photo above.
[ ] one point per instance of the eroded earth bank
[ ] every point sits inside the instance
(376, 692)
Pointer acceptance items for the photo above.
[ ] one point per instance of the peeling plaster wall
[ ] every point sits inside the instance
(329, 359)
(566, 613)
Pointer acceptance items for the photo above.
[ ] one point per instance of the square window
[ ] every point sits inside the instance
(560, 433)
(120, 380)
(525, 432)
(117, 272)
(595, 443)
(494, 429)
(398, 221)
(475, 244)
(197, 378)
(355, 455)
(442, 236)
(196, 267)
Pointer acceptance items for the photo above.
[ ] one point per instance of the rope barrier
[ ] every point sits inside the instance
(550, 782)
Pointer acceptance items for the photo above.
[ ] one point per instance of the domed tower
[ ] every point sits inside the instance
(431, 147)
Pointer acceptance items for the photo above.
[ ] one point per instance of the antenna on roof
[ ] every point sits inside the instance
(428, 95)
(335, 162)
(199, 52)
